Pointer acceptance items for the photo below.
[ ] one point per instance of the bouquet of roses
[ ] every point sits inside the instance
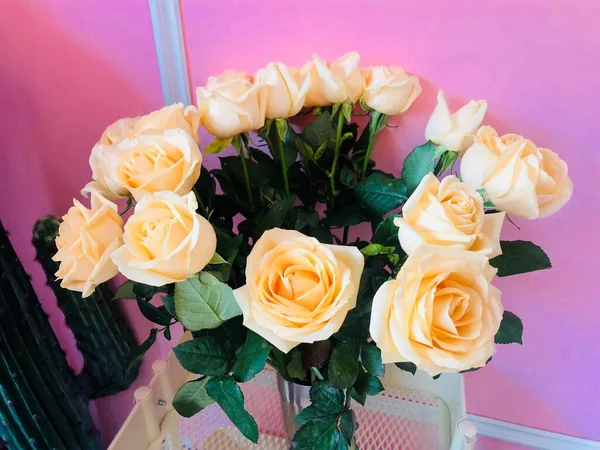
(256, 258)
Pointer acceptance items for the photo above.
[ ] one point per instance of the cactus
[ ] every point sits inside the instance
(41, 403)
(102, 336)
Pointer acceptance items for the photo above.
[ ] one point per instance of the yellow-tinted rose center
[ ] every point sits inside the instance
(142, 165)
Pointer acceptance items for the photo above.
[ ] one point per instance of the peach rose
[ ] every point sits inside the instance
(326, 88)
(455, 131)
(297, 289)
(346, 69)
(86, 239)
(440, 313)
(449, 213)
(284, 94)
(156, 123)
(389, 90)
(165, 240)
(149, 163)
(231, 104)
(518, 177)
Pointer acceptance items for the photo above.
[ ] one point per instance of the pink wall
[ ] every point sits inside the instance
(537, 64)
(67, 70)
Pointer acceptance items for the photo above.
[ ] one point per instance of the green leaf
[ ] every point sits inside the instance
(380, 193)
(368, 384)
(520, 257)
(370, 357)
(510, 331)
(154, 314)
(276, 215)
(167, 333)
(360, 398)
(317, 374)
(419, 163)
(191, 398)
(313, 414)
(347, 425)
(251, 357)
(306, 219)
(204, 302)
(377, 249)
(407, 367)
(347, 177)
(169, 303)
(347, 216)
(326, 398)
(145, 291)
(230, 398)
(386, 233)
(217, 259)
(295, 368)
(125, 291)
(205, 355)
(343, 365)
(317, 436)
(217, 146)
(320, 132)
(139, 352)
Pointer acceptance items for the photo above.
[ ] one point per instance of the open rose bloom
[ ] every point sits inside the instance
(260, 258)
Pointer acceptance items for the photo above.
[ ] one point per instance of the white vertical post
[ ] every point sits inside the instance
(170, 51)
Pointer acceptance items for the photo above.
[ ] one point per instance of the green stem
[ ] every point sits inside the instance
(283, 166)
(241, 154)
(345, 237)
(348, 398)
(377, 119)
(336, 157)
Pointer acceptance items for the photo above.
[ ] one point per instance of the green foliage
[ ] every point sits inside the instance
(230, 398)
(138, 353)
(251, 357)
(192, 397)
(326, 398)
(370, 358)
(204, 302)
(368, 384)
(205, 355)
(348, 425)
(520, 257)
(319, 435)
(419, 163)
(407, 367)
(510, 331)
(380, 193)
(343, 365)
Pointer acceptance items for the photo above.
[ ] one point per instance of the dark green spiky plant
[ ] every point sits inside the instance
(42, 404)
(102, 336)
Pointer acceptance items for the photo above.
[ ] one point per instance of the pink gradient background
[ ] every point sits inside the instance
(68, 69)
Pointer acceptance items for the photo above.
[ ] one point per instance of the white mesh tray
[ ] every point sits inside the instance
(413, 413)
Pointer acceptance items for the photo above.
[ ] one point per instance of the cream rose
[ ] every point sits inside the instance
(156, 123)
(518, 177)
(448, 213)
(389, 90)
(554, 187)
(86, 239)
(165, 240)
(346, 68)
(170, 161)
(440, 313)
(297, 289)
(231, 104)
(284, 94)
(455, 131)
(326, 88)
